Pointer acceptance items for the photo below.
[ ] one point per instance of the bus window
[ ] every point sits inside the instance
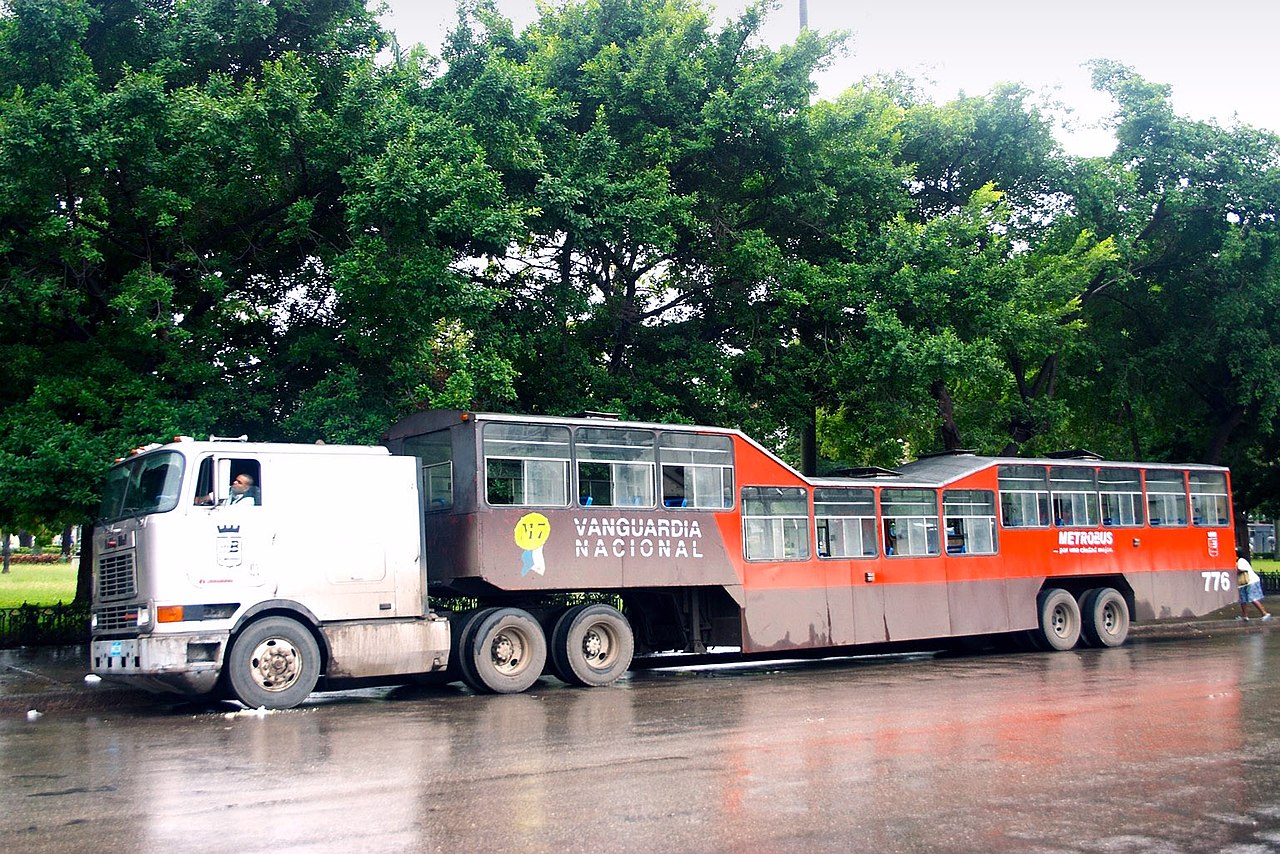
(1075, 496)
(910, 521)
(1209, 506)
(970, 519)
(615, 467)
(1024, 497)
(435, 454)
(775, 523)
(1121, 493)
(526, 464)
(697, 470)
(1166, 499)
(846, 522)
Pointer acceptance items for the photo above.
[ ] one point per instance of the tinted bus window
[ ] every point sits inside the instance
(845, 522)
(969, 516)
(697, 470)
(1166, 498)
(615, 467)
(1024, 497)
(910, 521)
(1075, 496)
(1209, 504)
(775, 523)
(435, 454)
(1121, 493)
(526, 464)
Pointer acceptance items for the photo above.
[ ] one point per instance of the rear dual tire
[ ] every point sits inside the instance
(1105, 617)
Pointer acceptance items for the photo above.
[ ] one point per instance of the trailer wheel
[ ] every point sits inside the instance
(591, 645)
(464, 630)
(1059, 620)
(274, 664)
(1105, 617)
(505, 653)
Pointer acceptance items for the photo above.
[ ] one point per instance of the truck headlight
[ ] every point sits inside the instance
(144, 616)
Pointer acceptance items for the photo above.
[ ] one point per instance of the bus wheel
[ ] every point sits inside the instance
(591, 645)
(1105, 617)
(505, 652)
(274, 664)
(463, 630)
(1059, 619)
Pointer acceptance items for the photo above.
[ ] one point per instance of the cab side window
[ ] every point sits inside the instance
(244, 488)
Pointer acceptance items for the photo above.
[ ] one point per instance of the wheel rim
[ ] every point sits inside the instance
(507, 652)
(1110, 618)
(276, 665)
(599, 645)
(1060, 622)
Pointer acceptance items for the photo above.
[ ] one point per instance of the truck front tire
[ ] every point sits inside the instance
(274, 664)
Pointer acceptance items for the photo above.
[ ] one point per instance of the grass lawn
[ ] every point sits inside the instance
(38, 584)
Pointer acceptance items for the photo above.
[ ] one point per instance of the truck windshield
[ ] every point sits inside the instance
(148, 484)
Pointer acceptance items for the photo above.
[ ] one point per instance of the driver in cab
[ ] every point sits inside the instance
(243, 492)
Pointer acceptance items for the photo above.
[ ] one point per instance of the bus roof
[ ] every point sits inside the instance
(944, 469)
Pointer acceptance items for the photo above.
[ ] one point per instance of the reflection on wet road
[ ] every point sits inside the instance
(1161, 746)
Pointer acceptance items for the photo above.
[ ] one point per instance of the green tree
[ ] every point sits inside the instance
(1186, 323)
(226, 216)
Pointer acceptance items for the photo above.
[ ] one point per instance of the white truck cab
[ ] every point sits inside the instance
(261, 569)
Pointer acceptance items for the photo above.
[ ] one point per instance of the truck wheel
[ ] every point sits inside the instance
(274, 664)
(1105, 617)
(505, 653)
(591, 645)
(1059, 620)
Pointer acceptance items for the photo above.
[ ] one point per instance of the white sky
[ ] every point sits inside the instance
(1221, 58)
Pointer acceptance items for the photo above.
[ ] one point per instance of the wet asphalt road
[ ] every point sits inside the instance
(1169, 747)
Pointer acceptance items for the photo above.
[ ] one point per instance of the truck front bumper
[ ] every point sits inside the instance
(178, 663)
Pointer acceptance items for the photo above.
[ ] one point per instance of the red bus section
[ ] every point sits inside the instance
(705, 539)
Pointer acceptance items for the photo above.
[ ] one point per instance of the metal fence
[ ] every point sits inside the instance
(1270, 582)
(44, 625)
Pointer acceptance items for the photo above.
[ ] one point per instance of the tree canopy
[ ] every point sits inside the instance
(264, 217)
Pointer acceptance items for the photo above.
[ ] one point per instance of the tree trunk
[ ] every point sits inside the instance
(1135, 440)
(1226, 425)
(84, 575)
(948, 432)
(4, 536)
(809, 444)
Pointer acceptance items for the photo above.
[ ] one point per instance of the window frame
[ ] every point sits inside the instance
(1040, 499)
(691, 459)
(525, 462)
(824, 496)
(1220, 500)
(991, 520)
(1165, 497)
(933, 544)
(783, 529)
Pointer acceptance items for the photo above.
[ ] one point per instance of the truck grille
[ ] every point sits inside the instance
(116, 618)
(116, 577)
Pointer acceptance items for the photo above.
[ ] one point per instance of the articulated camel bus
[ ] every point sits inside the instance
(571, 545)
(709, 540)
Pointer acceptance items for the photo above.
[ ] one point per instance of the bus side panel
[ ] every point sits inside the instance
(451, 547)
(552, 549)
(913, 611)
(778, 619)
(1161, 595)
(1020, 598)
(868, 613)
(978, 607)
(837, 576)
